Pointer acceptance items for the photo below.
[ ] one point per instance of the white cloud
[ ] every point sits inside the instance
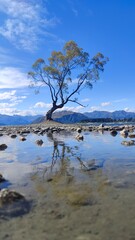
(25, 112)
(11, 96)
(74, 109)
(85, 100)
(127, 109)
(8, 101)
(9, 110)
(94, 108)
(6, 105)
(7, 95)
(25, 20)
(42, 105)
(11, 77)
(104, 104)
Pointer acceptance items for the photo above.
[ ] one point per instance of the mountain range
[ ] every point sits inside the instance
(66, 117)
(74, 117)
(116, 115)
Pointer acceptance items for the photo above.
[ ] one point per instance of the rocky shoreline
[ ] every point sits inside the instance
(58, 127)
(55, 127)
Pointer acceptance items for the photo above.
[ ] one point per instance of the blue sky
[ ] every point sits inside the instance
(31, 29)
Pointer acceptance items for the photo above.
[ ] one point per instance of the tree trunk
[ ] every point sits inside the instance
(50, 112)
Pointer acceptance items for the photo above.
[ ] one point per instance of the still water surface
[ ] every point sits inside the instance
(77, 189)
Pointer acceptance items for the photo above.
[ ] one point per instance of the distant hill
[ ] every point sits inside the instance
(16, 119)
(64, 117)
(73, 117)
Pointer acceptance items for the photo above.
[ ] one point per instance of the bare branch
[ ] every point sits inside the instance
(70, 100)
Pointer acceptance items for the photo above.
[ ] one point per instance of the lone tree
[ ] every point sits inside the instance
(66, 73)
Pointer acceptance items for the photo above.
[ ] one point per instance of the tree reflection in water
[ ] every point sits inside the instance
(71, 175)
(65, 158)
(61, 156)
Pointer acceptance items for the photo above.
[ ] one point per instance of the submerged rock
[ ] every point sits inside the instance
(2, 179)
(39, 142)
(9, 196)
(13, 136)
(22, 139)
(132, 135)
(113, 133)
(128, 143)
(13, 204)
(79, 137)
(3, 147)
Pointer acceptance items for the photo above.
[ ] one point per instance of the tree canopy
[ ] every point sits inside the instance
(66, 73)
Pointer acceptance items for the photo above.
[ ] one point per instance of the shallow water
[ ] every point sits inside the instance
(76, 189)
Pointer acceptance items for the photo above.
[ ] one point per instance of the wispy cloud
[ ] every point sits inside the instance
(94, 108)
(75, 11)
(25, 23)
(42, 105)
(128, 109)
(11, 77)
(104, 104)
(9, 101)
(73, 7)
(74, 109)
(8, 110)
(120, 100)
(11, 97)
(85, 100)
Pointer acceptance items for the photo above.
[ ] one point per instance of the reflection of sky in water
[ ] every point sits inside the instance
(21, 158)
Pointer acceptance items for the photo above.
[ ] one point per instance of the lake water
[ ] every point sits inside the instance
(76, 189)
